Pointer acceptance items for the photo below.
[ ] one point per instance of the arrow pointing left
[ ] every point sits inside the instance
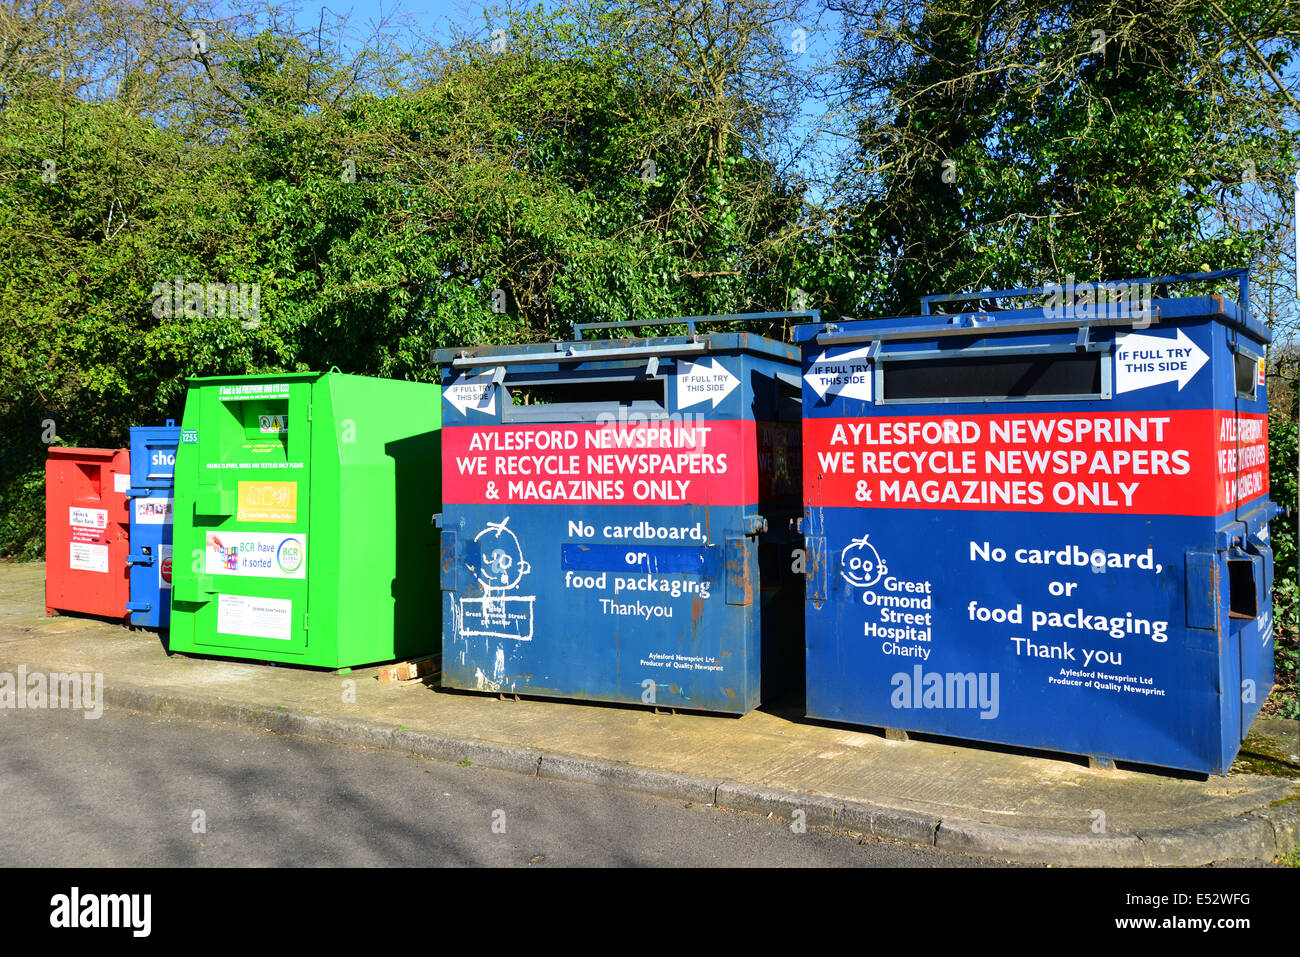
(476, 392)
(842, 372)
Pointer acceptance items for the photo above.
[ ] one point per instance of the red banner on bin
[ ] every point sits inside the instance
(618, 463)
(1188, 462)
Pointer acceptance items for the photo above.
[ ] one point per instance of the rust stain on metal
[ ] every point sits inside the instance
(738, 573)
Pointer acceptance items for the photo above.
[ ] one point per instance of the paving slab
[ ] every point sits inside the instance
(988, 800)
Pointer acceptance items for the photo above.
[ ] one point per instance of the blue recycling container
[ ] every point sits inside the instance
(153, 462)
(618, 517)
(1044, 525)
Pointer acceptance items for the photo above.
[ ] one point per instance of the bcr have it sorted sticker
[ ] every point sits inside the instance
(256, 554)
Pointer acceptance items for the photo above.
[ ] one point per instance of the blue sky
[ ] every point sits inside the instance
(439, 19)
(433, 15)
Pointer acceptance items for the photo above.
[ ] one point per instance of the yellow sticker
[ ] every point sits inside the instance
(267, 502)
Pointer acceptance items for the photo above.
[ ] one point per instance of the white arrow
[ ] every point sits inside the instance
(475, 392)
(1143, 361)
(843, 372)
(696, 383)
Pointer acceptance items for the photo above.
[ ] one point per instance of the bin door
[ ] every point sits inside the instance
(1243, 452)
(251, 506)
(160, 459)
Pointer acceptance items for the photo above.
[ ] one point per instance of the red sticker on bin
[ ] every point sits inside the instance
(616, 463)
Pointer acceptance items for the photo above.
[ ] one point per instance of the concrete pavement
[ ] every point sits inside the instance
(136, 790)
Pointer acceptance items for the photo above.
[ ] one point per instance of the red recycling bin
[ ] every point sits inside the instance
(86, 531)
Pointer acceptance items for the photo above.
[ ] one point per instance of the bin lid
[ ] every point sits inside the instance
(255, 377)
(74, 452)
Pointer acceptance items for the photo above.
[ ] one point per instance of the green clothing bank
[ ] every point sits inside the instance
(303, 519)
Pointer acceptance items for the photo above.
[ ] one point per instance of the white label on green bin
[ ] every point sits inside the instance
(255, 617)
(256, 554)
(253, 390)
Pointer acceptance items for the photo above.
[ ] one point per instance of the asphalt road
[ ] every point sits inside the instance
(131, 790)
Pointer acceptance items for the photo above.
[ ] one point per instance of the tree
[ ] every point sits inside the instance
(996, 143)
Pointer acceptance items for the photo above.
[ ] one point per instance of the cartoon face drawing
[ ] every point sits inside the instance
(861, 564)
(501, 559)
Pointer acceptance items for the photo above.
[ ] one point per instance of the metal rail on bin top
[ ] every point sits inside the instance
(1242, 275)
(569, 352)
(689, 321)
(971, 324)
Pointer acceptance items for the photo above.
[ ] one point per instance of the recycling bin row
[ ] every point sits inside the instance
(1043, 526)
(285, 486)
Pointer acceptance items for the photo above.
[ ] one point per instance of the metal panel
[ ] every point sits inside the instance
(816, 556)
(447, 564)
(1202, 596)
(742, 570)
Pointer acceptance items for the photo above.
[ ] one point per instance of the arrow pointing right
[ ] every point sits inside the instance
(698, 383)
(1142, 361)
